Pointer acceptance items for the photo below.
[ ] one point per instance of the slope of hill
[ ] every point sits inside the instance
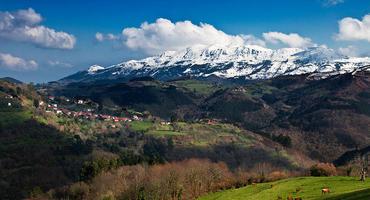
(11, 80)
(342, 188)
(14, 102)
(241, 62)
(36, 156)
(322, 117)
(352, 156)
(32, 154)
(283, 123)
(42, 150)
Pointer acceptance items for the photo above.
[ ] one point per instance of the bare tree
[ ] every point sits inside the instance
(364, 166)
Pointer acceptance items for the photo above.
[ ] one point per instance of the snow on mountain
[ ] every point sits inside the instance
(94, 68)
(249, 62)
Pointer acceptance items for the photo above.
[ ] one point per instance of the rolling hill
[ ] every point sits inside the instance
(323, 118)
(41, 151)
(342, 188)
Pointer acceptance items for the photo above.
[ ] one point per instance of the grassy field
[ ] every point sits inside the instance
(141, 125)
(199, 134)
(12, 118)
(308, 188)
(198, 86)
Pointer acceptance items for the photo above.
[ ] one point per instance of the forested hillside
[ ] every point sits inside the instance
(322, 118)
(76, 141)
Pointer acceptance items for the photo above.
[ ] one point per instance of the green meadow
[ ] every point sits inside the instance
(307, 188)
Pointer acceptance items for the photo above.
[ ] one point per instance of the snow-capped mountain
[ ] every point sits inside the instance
(94, 68)
(246, 62)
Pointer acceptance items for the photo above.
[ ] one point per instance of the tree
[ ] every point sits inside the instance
(170, 144)
(174, 118)
(155, 151)
(18, 91)
(36, 103)
(364, 166)
(284, 140)
(323, 169)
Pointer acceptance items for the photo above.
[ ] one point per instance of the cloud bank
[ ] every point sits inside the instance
(253, 40)
(351, 29)
(11, 62)
(292, 40)
(24, 26)
(164, 35)
(348, 51)
(57, 63)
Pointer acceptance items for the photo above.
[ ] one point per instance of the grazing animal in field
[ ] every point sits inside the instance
(289, 197)
(254, 184)
(325, 191)
(298, 198)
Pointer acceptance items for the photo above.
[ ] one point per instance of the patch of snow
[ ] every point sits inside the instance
(94, 68)
(250, 61)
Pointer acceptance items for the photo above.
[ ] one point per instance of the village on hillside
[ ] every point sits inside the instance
(83, 109)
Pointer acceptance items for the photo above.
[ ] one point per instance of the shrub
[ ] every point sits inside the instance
(186, 179)
(323, 169)
(76, 191)
(276, 175)
(36, 192)
(284, 140)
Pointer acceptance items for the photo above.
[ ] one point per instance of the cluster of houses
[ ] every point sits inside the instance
(210, 121)
(88, 113)
(10, 97)
(239, 89)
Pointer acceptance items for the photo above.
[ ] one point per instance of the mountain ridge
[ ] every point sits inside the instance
(248, 62)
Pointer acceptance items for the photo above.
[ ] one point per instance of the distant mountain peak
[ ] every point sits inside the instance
(94, 68)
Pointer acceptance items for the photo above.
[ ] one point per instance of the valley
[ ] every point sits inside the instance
(184, 100)
(266, 130)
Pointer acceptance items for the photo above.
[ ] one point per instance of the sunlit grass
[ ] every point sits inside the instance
(305, 187)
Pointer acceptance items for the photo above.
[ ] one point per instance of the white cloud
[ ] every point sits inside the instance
(164, 35)
(24, 26)
(15, 63)
(332, 2)
(291, 40)
(110, 36)
(351, 29)
(252, 40)
(59, 63)
(351, 51)
(100, 37)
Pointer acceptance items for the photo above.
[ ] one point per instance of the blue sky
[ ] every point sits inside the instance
(314, 21)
